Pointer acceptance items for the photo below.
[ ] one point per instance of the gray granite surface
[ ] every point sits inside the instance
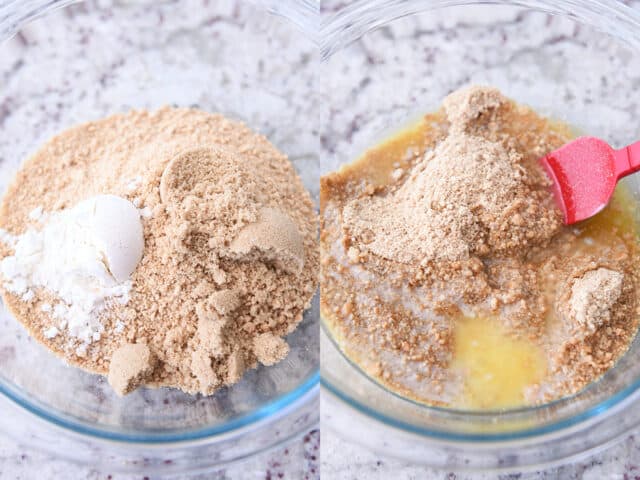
(299, 460)
(347, 461)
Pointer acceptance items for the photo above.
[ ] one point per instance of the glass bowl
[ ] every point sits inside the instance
(91, 59)
(389, 61)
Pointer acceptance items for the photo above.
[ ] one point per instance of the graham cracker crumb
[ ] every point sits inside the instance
(467, 104)
(443, 212)
(470, 229)
(235, 366)
(212, 277)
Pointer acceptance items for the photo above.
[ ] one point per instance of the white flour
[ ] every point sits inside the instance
(83, 255)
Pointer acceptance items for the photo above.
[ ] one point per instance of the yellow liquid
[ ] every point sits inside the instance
(377, 163)
(496, 366)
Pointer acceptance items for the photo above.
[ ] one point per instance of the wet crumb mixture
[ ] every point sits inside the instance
(447, 273)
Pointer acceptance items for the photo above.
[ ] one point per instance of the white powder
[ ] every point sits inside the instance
(7, 238)
(146, 212)
(84, 256)
(51, 332)
(36, 213)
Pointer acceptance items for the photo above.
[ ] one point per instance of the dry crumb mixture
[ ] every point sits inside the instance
(453, 220)
(230, 252)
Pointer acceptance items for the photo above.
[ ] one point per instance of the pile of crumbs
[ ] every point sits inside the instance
(221, 254)
(467, 227)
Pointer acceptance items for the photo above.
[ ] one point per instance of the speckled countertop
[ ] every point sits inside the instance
(299, 460)
(345, 461)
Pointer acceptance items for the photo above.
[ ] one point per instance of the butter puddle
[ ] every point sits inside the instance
(495, 367)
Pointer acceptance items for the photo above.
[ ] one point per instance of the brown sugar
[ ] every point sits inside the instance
(212, 278)
(270, 349)
(442, 211)
(593, 296)
(451, 224)
(274, 238)
(131, 364)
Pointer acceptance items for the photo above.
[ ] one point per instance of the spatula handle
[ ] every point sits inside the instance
(627, 160)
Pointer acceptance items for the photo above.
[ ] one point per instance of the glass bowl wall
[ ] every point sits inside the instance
(95, 58)
(388, 62)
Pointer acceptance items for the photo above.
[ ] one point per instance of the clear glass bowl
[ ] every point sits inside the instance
(91, 59)
(390, 61)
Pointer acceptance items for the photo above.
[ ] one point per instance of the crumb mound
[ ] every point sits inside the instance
(473, 194)
(453, 221)
(593, 296)
(230, 245)
(467, 197)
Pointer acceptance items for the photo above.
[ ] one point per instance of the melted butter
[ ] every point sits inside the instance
(617, 218)
(496, 367)
(377, 164)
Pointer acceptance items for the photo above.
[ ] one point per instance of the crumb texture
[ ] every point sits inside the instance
(442, 211)
(593, 295)
(230, 248)
(270, 349)
(452, 223)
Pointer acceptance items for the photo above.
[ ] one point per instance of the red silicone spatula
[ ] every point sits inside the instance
(585, 172)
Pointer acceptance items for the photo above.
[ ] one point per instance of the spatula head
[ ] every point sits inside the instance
(584, 177)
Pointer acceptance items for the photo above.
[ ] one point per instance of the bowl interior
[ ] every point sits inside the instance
(558, 64)
(96, 58)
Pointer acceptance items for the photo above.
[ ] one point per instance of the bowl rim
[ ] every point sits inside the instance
(15, 15)
(269, 411)
(564, 424)
(340, 29)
